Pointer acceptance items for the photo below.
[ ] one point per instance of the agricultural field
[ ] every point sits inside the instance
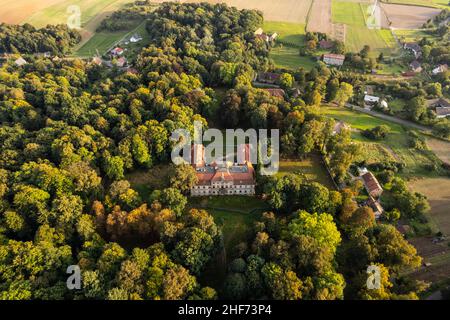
(17, 11)
(397, 144)
(357, 34)
(407, 16)
(437, 191)
(427, 3)
(440, 148)
(319, 19)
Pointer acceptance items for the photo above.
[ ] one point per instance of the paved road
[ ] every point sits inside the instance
(386, 117)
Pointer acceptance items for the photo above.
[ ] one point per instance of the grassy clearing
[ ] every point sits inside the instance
(145, 181)
(287, 32)
(291, 38)
(357, 34)
(416, 161)
(289, 58)
(312, 168)
(103, 41)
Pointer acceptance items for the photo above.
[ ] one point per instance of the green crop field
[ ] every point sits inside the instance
(357, 34)
(293, 33)
(397, 143)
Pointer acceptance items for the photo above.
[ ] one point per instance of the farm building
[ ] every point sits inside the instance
(371, 184)
(376, 207)
(442, 112)
(279, 93)
(414, 48)
(268, 77)
(439, 69)
(370, 101)
(334, 59)
(223, 177)
(415, 66)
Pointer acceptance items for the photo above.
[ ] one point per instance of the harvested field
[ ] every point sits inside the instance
(437, 191)
(440, 148)
(294, 11)
(407, 16)
(16, 11)
(319, 19)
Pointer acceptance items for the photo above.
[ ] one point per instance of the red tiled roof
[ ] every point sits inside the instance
(276, 92)
(371, 183)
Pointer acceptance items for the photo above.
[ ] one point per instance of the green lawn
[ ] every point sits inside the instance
(287, 32)
(357, 34)
(312, 168)
(397, 141)
(289, 58)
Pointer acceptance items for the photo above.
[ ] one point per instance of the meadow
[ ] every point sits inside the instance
(291, 37)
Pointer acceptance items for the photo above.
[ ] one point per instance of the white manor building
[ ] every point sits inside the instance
(223, 177)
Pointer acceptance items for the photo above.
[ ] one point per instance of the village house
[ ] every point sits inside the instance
(415, 66)
(371, 183)
(439, 69)
(268, 77)
(334, 59)
(370, 101)
(223, 177)
(441, 107)
(116, 52)
(414, 48)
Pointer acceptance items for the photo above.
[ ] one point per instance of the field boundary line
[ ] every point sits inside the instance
(308, 14)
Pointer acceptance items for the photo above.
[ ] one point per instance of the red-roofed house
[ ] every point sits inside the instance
(279, 93)
(372, 185)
